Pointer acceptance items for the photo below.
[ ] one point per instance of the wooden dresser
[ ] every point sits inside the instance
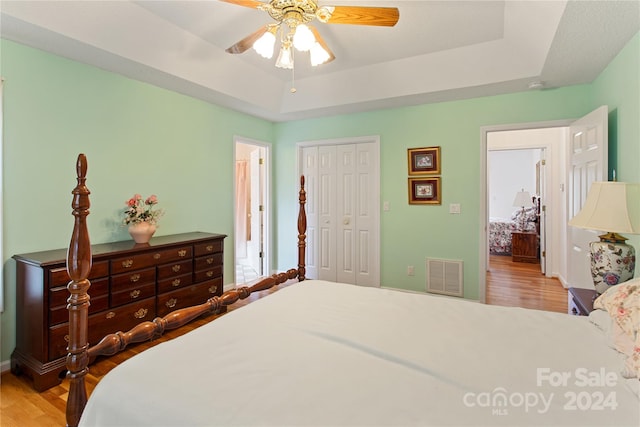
(524, 246)
(130, 283)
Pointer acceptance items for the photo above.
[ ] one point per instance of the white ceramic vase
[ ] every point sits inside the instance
(142, 232)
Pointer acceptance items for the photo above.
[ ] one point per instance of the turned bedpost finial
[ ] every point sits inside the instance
(78, 268)
(302, 230)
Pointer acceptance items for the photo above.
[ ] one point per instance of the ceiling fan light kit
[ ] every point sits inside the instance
(295, 15)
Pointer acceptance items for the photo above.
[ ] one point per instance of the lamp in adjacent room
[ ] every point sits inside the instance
(523, 200)
(612, 207)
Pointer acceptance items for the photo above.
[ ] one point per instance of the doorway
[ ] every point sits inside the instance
(516, 171)
(551, 139)
(561, 189)
(251, 212)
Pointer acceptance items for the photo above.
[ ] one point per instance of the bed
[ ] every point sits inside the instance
(319, 353)
(500, 229)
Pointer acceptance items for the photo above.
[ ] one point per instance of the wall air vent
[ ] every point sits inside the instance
(445, 277)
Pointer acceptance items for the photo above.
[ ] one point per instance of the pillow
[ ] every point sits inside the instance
(622, 302)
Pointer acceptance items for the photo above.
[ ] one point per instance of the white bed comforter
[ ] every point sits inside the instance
(326, 354)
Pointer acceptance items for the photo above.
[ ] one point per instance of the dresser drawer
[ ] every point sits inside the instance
(60, 313)
(206, 262)
(133, 294)
(107, 322)
(58, 296)
(208, 274)
(59, 276)
(174, 269)
(206, 248)
(147, 259)
(120, 282)
(99, 292)
(174, 283)
(192, 295)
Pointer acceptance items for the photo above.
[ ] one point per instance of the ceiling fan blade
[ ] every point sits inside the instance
(324, 45)
(363, 15)
(254, 4)
(247, 42)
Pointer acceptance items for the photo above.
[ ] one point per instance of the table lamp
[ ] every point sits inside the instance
(523, 200)
(612, 207)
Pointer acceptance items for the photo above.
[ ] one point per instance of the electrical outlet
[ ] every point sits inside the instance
(410, 271)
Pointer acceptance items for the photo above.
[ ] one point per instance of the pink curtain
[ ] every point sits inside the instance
(242, 206)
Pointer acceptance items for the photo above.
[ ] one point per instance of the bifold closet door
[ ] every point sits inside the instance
(343, 199)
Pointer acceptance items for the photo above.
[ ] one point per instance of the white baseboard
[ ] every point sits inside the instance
(5, 366)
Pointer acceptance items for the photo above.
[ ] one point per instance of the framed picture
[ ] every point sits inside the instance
(424, 161)
(425, 191)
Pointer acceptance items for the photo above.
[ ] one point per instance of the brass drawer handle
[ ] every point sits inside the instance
(135, 294)
(134, 278)
(171, 303)
(127, 263)
(176, 282)
(182, 252)
(209, 248)
(213, 289)
(209, 273)
(140, 313)
(209, 260)
(176, 268)
(110, 315)
(157, 256)
(66, 338)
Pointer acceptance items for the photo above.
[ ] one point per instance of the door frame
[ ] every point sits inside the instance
(266, 197)
(483, 249)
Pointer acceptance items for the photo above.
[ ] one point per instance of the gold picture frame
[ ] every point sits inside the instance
(425, 191)
(424, 161)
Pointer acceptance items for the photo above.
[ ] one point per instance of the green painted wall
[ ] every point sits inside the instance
(618, 86)
(411, 233)
(138, 138)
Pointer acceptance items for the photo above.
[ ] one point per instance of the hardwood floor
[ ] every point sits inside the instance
(508, 283)
(521, 284)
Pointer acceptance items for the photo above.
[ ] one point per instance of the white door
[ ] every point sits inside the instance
(588, 146)
(326, 199)
(342, 212)
(255, 245)
(541, 190)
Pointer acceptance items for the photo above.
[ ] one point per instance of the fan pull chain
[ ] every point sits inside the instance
(293, 73)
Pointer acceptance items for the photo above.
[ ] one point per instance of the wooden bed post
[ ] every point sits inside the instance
(78, 267)
(302, 230)
(79, 260)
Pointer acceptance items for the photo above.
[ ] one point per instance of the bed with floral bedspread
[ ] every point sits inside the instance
(500, 229)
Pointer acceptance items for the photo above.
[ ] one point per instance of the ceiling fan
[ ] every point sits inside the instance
(295, 15)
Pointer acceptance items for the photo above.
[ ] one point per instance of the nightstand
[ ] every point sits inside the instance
(524, 246)
(581, 301)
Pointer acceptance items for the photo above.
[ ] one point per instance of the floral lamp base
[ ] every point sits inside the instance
(612, 263)
(142, 232)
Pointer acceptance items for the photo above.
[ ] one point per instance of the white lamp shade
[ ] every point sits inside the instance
(303, 39)
(265, 44)
(611, 207)
(285, 59)
(523, 199)
(318, 55)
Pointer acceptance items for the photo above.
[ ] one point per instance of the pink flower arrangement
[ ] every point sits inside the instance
(142, 210)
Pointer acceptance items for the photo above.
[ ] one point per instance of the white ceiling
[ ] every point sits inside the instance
(438, 51)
